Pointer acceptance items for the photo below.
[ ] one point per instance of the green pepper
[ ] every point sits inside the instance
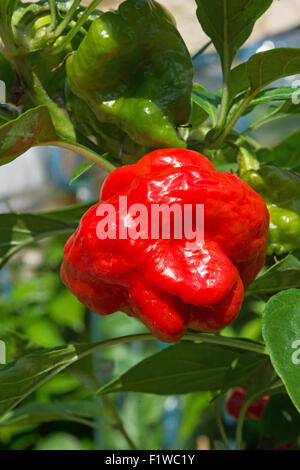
(134, 71)
(281, 191)
(109, 138)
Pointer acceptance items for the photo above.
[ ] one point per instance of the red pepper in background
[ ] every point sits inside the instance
(169, 284)
(234, 401)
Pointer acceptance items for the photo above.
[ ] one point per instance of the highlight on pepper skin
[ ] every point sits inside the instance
(170, 284)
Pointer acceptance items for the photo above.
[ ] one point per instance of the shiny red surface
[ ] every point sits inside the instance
(169, 284)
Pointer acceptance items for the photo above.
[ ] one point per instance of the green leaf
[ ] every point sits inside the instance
(275, 112)
(266, 67)
(264, 381)
(7, 112)
(286, 154)
(187, 368)
(285, 274)
(72, 213)
(238, 82)
(37, 413)
(270, 95)
(207, 101)
(20, 230)
(246, 369)
(281, 93)
(229, 23)
(281, 106)
(62, 124)
(80, 170)
(34, 127)
(20, 378)
(280, 420)
(281, 331)
(262, 69)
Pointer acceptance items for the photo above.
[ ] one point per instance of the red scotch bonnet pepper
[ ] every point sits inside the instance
(236, 398)
(171, 284)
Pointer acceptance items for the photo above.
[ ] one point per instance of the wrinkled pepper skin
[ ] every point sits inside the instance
(281, 191)
(234, 401)
(167, 283)
(134, 71)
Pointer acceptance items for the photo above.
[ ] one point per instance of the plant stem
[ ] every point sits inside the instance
(248, 402)
(68, 37)
(265, 120)
(220, 139)
(200, 52)
(85, 152)
(225, 341)
(109, 406)
(111, 410)
(226, 71)
(224, 103)
(220, 422)
(202, 337)
(240, 424)
(60, 29)
(53, 12)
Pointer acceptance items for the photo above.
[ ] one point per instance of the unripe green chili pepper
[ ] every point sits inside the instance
(280, 189)
(134, 71)
(109, 137)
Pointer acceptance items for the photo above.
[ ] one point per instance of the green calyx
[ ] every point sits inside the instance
(133, 70)
(35, 30)
(280, 189)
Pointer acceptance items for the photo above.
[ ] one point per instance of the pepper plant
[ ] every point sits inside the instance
(114, 87)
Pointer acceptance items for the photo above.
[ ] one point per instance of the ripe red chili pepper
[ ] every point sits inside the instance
(169, 284)
(234, 401)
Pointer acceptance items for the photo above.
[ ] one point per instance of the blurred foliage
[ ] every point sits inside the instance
(38, 312)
